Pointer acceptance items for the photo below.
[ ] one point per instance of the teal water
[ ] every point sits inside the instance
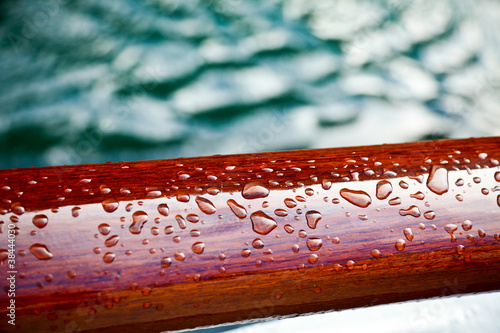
(95, 81)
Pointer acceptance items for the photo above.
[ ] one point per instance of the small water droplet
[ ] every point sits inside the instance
(245, 253)
(205, 205)
(169, 229)
(177, 239)
(313, 258)
(40, 251)
(71, 274)
(110, 205)
(403, 185)
(314, 244)
(313, 218)
(40, 220)
(295, 248)
(17, 208)
(357, 198)
(280, 212)
(48, 278)
(237, 209)
(384, 189)
(481, 233)
(302, 234)
(75, 211)
(139, 218)
(419, 196)
(460, 249)
(104, 228)
(376, 253)
(451, 228)
(163, 209)
(254, 190)
(350, 264)
(309, 191)
(421, 226)
(395, 201)
(180, 220)
(497, 176)
(335, 240)
(262, 223)
(408, 234)
(97, 250)
(326, 184)
(183, 197)
(412, 210)
(112, 241)
(497, 236)
(104, 189)
(166, 262)
(109, 257)
(290, 203)
(438, 180)
(459, 182)
(198, 247)
(400, 244)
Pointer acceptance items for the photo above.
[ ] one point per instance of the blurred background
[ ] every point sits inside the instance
(94, 81)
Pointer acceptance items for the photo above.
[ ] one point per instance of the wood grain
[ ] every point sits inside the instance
(174, 244)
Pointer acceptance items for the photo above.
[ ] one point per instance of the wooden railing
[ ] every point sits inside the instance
(163, 245)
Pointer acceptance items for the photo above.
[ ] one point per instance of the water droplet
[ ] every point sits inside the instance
(481, 233)
(497, 176)
(169, 229)
(498, 200)
(193, 218)
(430, 215)
(350, 264)
(245, 253)
(179, 256)
(97, 250)
(48, 278)
(302, 234)
(451, 228)
(180, 220)
(466, 225)
(412, 210)
(419, 196)
(262, 223)
(17, 208)
(309, 191)
(104, 189)
(376, 253)
(71, 274)
(497, 236)
(460, 249)
(313, 218)
(198, 247)
(438, 180)
(421, 226)
(313, 258)
(335, 201)
(254, 191)
(314, 244)
(40, 251)
(110, 205)
(109, 257)
(326, 184)
(400, 244)
(205, 205)
(40, 220)
(476, 180)
(408, 234)
(290, 203)
(459, 182)
(295, 248)
(357, 198)
(163, 209)
(75, 211)
(139, 218)
(395, 201)
(280, 212)
(104, 228)
(258, 243)
(384, 189)
(237, 209)
(403, 185)
(112, 241)
(166, 262)
(183, 197)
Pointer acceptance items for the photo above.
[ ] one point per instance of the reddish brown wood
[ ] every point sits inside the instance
(218, 264)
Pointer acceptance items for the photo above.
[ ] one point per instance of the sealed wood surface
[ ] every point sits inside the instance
(173, 244)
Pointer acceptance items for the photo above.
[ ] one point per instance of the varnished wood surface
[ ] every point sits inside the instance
(243, 238)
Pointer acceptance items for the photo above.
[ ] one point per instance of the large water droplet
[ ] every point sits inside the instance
(262, 223)
(109, 257)
(40, 251)
(254, 190)
(237, 209)
(384, 189)
(408, 234)
(112, 241)
(198, 247)
(110, 205)
(163, 209)
(400, 244)
(412, 210)
(357, 198)
(314, 244)
(40, 220)
(313, 218)
(205, 205)
(438, 180)
(139, 218)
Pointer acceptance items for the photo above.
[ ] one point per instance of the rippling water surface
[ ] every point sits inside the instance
(95, 81)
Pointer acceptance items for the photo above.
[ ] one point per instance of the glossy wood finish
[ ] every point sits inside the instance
(249, 236)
